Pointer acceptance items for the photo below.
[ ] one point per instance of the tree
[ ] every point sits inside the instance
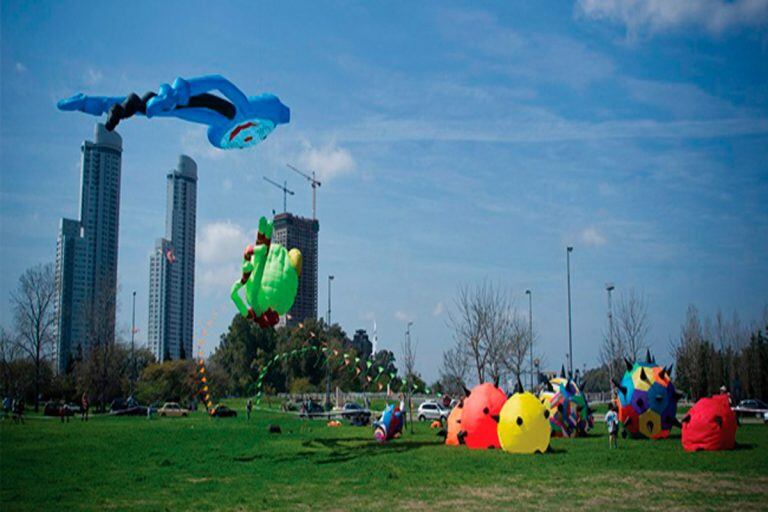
(631, 328)
(454, 370)
(517, 347)
(489, 332)
(9, 352)
(468, 322)
(99, 370)
(32, 304)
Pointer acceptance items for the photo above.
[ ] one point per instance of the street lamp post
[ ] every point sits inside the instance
(609, 288)
(327, 361)
(570, 332)
(408, 417)
(133, 335)
(530, 330)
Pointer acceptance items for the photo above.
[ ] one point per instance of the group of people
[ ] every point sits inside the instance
(13, 408)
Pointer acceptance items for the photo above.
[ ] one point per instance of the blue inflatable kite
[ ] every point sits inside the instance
(239, 121)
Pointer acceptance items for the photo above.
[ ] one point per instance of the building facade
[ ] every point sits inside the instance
(172, 269)
(86, 253)
(292, 231)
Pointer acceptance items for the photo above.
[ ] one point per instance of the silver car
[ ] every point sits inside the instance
(432, 411)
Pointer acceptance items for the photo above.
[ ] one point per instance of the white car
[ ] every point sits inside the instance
(432, 411)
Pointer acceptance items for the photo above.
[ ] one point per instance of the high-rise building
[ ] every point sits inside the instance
(172, 269)
(292, 231)
(86, 253)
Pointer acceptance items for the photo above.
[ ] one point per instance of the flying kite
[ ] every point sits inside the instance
(271, 279)
(710, 425)
(647, 399)
(569, 412)
(480, 416)
(234, 121)
(524, 425)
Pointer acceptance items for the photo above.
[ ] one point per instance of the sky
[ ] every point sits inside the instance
(457, 142)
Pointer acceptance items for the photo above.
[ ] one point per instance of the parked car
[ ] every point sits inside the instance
(432, 411)
(765, 418)
(752, 407)
(356, 413)
(311, 409)
(222, 411)
(172, 409)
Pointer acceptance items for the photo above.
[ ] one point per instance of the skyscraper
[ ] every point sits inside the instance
(86, 253)
(172, 269)
(292, 231)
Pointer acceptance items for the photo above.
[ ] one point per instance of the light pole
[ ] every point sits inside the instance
(327, 360)
(408, 417)
(530, 330)
(609, 288)
(133, 335)
(570, 333)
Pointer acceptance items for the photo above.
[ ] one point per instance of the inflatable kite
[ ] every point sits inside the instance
(569, 412)
(524, 424)
(710, 425)
(234, 121)
(454, 435)
(647, 399)
(271, 279)
(480, 416)
(389, 425)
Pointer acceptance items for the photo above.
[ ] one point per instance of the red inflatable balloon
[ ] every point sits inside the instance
(710, 425)
(453, 438)
(480, 416)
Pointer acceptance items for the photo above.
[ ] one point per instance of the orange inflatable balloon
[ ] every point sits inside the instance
(454, 426)
(480, 416)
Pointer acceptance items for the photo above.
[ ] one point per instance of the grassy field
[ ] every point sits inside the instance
(230, 464)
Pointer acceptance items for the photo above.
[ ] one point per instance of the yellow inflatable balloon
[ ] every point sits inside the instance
(524, 425)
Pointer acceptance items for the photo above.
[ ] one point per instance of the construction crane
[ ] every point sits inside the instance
(315, 183)
(284, 188)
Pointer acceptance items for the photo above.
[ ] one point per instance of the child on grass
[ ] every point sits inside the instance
(612, 423)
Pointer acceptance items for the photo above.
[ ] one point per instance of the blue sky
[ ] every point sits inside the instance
(457, 142)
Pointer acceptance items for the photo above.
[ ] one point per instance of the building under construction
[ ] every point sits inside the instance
(293, 231)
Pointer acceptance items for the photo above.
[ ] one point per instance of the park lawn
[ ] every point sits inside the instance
(230, 464)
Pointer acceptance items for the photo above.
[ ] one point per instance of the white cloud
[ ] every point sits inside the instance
(219, 254)
(20, 68)
(92, 76)
(402, 316)
(328, 161)
(221, 242)
(714, 16)
(592, 237)
(439, 308)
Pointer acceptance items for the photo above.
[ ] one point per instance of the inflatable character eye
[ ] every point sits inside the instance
(719, 421)
(546, 414)
(640, 402)
(519, 421)
(650, 426)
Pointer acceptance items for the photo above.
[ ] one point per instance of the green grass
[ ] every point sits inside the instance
(207, 464)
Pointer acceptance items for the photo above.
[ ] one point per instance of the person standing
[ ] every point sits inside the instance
(84, 406)
(612, 423)
(248, 409)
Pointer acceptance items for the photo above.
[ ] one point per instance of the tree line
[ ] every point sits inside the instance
(108, 369)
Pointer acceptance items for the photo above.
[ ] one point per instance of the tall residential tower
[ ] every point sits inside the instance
(292, 231)
(86, 253)
(172, 269)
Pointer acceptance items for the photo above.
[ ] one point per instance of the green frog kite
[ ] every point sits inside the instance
(271, 279)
